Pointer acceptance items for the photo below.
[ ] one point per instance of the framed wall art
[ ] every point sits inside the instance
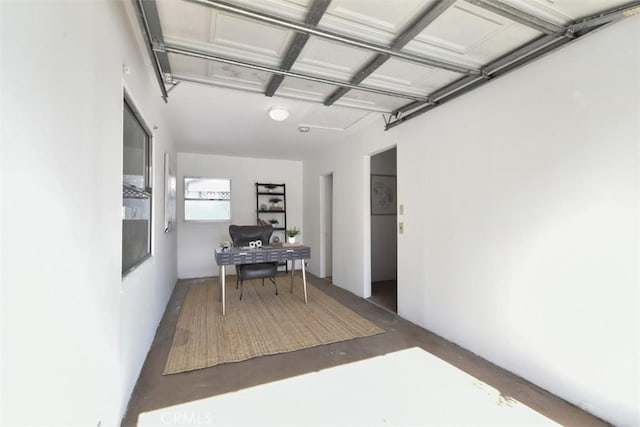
(383, 195)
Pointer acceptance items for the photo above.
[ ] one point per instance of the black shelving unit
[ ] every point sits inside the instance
(269, 211)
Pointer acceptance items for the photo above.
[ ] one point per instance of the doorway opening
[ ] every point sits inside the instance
(384, 239)
(326, 226)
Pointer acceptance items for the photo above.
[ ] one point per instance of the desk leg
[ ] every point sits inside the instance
(304, 281)
(222, 289)
(293, 267)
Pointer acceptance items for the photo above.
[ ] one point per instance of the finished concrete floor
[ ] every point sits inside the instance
(154, 391)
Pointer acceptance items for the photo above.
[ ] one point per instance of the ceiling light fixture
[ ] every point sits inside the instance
(278, 113)
(304, 129)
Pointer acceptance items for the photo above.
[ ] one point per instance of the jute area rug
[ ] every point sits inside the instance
(261, 323)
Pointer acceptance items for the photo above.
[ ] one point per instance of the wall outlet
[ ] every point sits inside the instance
(401, 227)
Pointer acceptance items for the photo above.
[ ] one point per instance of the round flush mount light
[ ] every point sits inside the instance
(278, 113)
(304, 129)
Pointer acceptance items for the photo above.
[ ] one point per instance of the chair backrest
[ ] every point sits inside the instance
(241, 235)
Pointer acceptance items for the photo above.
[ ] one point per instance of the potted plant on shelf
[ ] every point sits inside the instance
(274, 203)
(270, 187)
(291, 234)
(273, 222)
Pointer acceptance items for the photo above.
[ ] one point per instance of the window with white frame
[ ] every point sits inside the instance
(207, 199)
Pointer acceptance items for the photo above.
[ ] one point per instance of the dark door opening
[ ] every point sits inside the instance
(384, 241)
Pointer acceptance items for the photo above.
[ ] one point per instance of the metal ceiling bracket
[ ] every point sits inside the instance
(336, 37)
(173, 86)
(415, 28)
(187, 51)
(316, 10)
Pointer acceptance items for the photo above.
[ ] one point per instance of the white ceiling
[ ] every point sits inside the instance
(204, 119)
(232, 117)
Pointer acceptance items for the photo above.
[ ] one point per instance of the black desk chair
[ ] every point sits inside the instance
(241, 235)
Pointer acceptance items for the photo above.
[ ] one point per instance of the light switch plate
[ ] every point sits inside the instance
(401, 209)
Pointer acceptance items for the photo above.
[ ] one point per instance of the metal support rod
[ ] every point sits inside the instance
(155, 64)
(520, 17)
(204, 81)
(415, 28)
(299, 40)
(152, 17)
(517, 58)
(519, 53)
(492, 70)
(183, 50)
(459, 91)
(422, 22)
(532, 56)
(453, 87)
(408, 107)
(329, 35)
(373, 65)
(316, 10)
(467, 84)
(624, 11)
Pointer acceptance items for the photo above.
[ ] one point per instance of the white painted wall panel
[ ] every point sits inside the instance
(74, 334)
(521, 214)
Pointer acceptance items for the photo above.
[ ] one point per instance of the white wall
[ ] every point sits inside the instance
(74, 333)
(521, 218)
(197, 240)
